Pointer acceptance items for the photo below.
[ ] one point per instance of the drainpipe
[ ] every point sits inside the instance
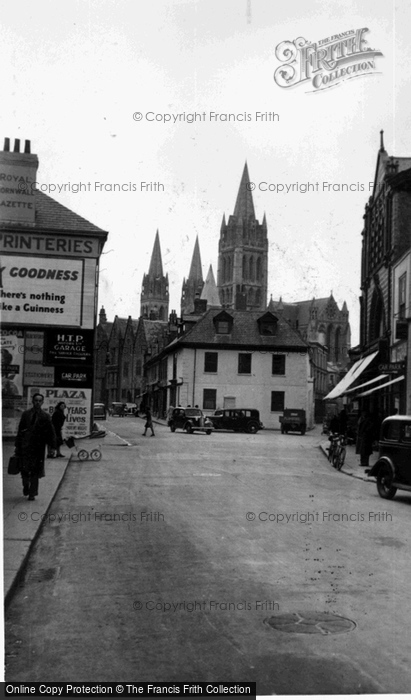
(194, 376)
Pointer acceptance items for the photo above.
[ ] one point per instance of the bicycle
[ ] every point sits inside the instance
(333, 446)
(340, 452)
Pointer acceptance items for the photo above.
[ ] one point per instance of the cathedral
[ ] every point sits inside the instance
(242, 266)
(242, 280)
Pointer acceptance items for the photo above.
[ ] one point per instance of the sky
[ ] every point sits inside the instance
(75, 74)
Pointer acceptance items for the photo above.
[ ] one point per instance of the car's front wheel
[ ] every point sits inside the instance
(172, 427)
(208, 432)
(384, 482)
(252, 428)
(188, 428)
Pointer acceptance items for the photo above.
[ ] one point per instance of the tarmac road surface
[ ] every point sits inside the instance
(227, 557)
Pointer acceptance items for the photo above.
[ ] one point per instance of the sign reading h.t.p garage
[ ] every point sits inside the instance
(68, 346)
(36, 290)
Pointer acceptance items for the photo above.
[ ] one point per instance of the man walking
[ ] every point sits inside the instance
(34, 433)
(149, 422)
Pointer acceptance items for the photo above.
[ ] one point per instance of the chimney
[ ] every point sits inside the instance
(200, 306)
(18, 172)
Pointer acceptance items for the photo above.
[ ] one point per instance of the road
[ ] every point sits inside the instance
(170, 558)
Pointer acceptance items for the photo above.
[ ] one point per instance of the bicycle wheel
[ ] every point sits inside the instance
(341, 458)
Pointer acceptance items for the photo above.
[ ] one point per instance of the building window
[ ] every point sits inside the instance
(278, 365)
(125, 370)
(244, 363)
(277, 400)
(223, 327)
(211, 362)
(402, 285)
(209, 399)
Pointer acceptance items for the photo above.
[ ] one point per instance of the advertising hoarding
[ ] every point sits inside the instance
(46, 291)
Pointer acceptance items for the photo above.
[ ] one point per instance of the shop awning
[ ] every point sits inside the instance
(382, 386)
(353, 374)
(372, 381)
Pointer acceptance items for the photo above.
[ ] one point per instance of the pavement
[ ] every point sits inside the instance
(352, 466)
(21, 531)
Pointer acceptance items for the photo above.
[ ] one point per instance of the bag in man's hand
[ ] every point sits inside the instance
(14, 465)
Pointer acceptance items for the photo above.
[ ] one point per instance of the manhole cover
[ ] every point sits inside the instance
(310, 623)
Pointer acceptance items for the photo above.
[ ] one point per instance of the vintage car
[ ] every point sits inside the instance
(238, 419)
(293, 420)
(99, 411)
(393, 467)
(190, 420)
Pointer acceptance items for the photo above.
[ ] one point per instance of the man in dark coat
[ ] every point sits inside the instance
(34, 433)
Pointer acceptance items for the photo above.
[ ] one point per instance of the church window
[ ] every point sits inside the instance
(251, 275)
(258, 269)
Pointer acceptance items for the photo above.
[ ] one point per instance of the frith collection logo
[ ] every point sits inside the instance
(326, 63)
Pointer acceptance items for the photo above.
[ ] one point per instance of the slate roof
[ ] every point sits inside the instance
(245, 332)
(53, 216)
(154, 329)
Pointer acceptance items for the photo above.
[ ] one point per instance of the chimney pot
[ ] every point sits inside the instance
(6, 144)
(27, 146)
(16, 145)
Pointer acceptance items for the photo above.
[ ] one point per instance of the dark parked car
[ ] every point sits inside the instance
(190, 420)
(293, 420)
(238, 419)
(393, 467)
(99, 411)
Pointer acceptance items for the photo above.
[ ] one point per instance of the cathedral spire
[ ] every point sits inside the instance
(193, 285)
(156, 265)
(244, 206)
(154, 292)
(210, 291)
(196, 270)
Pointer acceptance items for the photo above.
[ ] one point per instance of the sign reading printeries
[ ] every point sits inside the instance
(46, 291)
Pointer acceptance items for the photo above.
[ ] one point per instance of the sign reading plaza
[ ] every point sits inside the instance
(39, 290)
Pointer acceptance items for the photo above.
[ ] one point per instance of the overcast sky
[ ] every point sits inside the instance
(74, 73)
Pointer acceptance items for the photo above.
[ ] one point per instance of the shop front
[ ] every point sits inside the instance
(49, 261)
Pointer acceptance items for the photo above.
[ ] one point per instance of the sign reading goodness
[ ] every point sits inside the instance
(46, 291)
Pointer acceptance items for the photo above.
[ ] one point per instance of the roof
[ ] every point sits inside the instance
(245, 332)
(153, 329)
(210, 291)
(53, 216)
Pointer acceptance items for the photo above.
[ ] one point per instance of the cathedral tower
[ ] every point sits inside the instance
(154, 290)
(243, 255)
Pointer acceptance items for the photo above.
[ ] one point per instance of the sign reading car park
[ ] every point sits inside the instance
(392, 367)
(46, 291)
